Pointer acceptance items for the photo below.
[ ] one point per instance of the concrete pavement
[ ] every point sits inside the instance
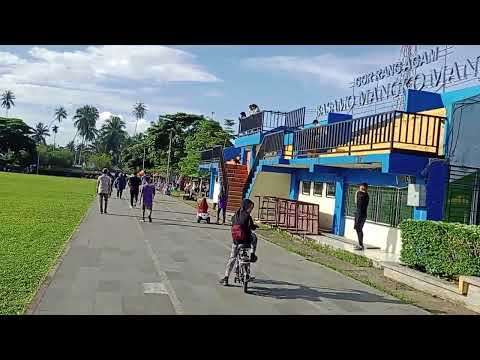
(119, 265)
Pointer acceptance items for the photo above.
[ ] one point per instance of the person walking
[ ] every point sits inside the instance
(104, 189)
(222, 206)
(361, 199)
(146, 196)
(120, 184)
(134, 184)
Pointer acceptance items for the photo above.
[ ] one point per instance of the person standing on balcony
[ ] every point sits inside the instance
(361, 199)
(253, 109)
(242, 115)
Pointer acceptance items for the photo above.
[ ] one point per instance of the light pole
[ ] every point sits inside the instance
(143, 165)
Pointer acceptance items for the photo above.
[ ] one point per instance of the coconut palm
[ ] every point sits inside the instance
(139, 111)
(60, 114)
(71, 146)
(7, 101)
(113, 136)
(85, 120)
(55, 130)
(39, 133)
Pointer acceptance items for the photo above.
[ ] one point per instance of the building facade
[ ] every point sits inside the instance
(428, 150)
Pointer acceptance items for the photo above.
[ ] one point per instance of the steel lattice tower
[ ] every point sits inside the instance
(406, 52)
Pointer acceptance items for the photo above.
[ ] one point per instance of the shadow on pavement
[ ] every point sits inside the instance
(286, 290)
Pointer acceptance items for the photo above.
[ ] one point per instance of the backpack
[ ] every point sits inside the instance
(238, 234)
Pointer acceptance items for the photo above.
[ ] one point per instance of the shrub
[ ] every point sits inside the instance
(440, 248)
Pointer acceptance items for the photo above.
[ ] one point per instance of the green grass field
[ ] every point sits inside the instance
(37, 216)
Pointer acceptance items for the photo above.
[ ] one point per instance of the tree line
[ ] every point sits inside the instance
(94, 148)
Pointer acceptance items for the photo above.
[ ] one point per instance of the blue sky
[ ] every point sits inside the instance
(198, 79)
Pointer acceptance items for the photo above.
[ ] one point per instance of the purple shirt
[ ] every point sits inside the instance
(148, 192)
(222, 202)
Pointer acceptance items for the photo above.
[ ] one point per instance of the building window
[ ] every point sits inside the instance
(306, 185)
(318, 189)
(330, 189)
(387, 206)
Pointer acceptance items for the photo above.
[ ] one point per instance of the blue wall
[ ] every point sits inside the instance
(437, 180)
(418, 101)
(230, 152)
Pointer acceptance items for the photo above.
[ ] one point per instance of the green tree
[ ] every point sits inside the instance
(49, 157)
(71, 146)
(208, 133)
(85, 120)
(139, 111)
(100, 161)
(8, 101)
(55, 130)
(16, 143)
(228, 125)
(40, 132)
(113, 137)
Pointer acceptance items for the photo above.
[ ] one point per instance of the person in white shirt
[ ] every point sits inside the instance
(104, 189)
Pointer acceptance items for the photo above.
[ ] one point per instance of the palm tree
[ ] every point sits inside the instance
(40, 131)
(113, 136)
(71, 146)
(85, 119)
(139, 111)
(60, 114)
(7, 100)
(55, 130)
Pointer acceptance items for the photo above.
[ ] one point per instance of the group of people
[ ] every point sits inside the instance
(140, 187)
(252, 109)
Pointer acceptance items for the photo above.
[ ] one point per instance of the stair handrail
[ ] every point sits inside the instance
(223, 174)
(258, 156)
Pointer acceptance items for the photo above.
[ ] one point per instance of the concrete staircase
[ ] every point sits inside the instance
(236, 179)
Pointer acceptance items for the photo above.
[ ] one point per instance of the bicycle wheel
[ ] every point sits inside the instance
(245, 278)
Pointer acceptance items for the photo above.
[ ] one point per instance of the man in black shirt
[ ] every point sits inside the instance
(361, 199)
(134, 184)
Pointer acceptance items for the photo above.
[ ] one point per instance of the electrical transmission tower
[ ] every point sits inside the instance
(406, 52)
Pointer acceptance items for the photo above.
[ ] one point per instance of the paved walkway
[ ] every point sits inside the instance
(118, 265)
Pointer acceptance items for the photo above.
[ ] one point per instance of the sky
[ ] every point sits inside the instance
(221, 80)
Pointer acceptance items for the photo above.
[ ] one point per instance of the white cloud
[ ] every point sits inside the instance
(111, 78)
(327, 68)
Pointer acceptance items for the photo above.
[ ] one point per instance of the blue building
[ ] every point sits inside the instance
(429, 150)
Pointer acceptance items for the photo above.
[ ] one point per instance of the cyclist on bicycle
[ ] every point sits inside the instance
(244, 221)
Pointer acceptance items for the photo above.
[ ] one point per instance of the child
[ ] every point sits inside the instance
(202, 210)
(146, 196)
(203, 205)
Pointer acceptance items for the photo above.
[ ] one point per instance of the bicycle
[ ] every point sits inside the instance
(242, 266)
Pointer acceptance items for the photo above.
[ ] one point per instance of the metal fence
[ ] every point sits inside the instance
(463, 195)
(292, 215)
(268, 120)
(387, 206)
(389, 130)
(211, 155)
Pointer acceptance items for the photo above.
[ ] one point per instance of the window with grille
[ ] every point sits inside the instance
(306, 185)
(387, 206)
(330, 189)
(318, 189)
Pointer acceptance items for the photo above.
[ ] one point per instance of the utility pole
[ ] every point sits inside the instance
(143, 166)
(168, 161)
